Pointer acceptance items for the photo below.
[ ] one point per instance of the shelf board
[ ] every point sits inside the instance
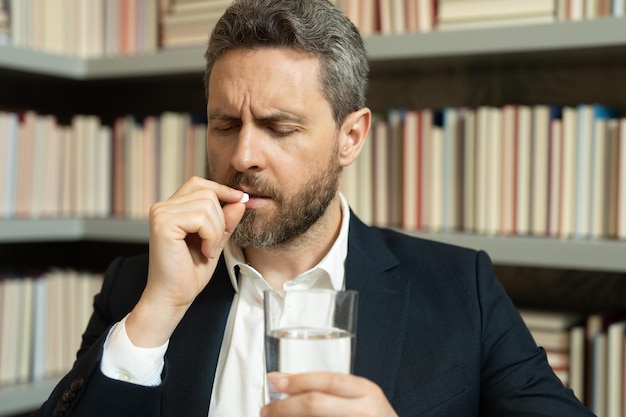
(25, 397)
(597, 255)
(593, 255)
(45, 230)
(162, 63)
(569, 37)
(545, 37)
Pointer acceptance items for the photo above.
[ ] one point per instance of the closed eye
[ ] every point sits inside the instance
(282, 131)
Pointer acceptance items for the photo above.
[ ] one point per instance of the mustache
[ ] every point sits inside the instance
(240, 179)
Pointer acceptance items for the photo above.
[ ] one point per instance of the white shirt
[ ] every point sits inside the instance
(239, 388)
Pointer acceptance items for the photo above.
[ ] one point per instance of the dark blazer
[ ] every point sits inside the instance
(435, 331)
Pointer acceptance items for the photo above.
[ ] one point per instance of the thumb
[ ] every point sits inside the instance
(232, 216)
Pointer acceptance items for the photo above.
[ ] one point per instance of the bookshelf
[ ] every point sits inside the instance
(563, 63)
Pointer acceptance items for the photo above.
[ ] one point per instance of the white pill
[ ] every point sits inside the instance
(245, 198)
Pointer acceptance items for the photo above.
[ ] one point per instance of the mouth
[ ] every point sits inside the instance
(253, 193)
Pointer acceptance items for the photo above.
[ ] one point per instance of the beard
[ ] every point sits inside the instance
(294, 214)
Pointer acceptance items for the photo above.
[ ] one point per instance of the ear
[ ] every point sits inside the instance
(352, 135)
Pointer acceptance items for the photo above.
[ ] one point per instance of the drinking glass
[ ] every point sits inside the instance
(308, 331)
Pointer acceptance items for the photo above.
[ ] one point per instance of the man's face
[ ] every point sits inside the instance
(271, 134)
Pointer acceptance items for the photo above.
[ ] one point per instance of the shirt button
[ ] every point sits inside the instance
(124, 376)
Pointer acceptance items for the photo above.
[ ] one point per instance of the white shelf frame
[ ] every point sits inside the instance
(66, 229)
(584, 254)
(595, 255)
(600, 34)
(23, 398)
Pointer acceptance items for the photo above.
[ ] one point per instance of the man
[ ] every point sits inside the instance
(179, 332)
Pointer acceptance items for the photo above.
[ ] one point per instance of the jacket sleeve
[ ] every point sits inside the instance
(85, 391)
(516, 379)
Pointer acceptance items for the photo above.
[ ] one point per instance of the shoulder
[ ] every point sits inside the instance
(124, 281)
(408, 248)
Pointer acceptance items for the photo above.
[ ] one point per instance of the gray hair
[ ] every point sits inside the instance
(312, 26)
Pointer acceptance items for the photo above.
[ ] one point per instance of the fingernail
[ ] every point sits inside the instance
(278, 380)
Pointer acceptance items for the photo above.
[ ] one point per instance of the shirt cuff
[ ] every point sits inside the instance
(123, 361)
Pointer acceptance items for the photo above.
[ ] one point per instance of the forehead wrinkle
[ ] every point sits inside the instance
(262, 91)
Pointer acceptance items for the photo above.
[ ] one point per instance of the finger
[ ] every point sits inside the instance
(313, 404)
(342, 385)
(224, 193)
(232, 216)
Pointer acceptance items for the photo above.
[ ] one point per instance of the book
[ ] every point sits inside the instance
(509, 166)
(381, 171)
(367, 16)
(103, 172)
(456, 10)
(555, 172)
(616, 332)
(52, 170)
(584, 136)
(494, 178)
(483, 116)
(25, 163)
(524, 152)
(599, 374)
(621, 181)
(173, 128)
(568, 172)
(436, 183)
(500, 22)
(395, 120)
(575, 9)
(9, 330)
(598, 187)
(469, 170)
(451, 170)
(596, 325)
(24, 318)
(40, 329)
(411, 164)
(550, 320)
(427, 11)
(426, 183)
(539, 172)
(612, 172)
(9, 147)
(577, 361)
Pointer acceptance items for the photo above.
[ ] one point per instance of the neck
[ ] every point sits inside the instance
(283, 263)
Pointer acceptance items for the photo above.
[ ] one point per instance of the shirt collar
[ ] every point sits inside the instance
(332, 264)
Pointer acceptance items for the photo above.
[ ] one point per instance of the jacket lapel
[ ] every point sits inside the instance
(373, 271)
(195, 347)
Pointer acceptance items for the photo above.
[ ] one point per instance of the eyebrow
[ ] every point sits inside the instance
(274, 117)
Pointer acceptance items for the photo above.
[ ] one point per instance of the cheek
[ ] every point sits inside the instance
(217, 162)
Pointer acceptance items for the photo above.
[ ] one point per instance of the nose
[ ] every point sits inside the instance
(248, 153)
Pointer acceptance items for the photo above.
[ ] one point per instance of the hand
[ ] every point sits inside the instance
(327, 394)
(187, 234)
